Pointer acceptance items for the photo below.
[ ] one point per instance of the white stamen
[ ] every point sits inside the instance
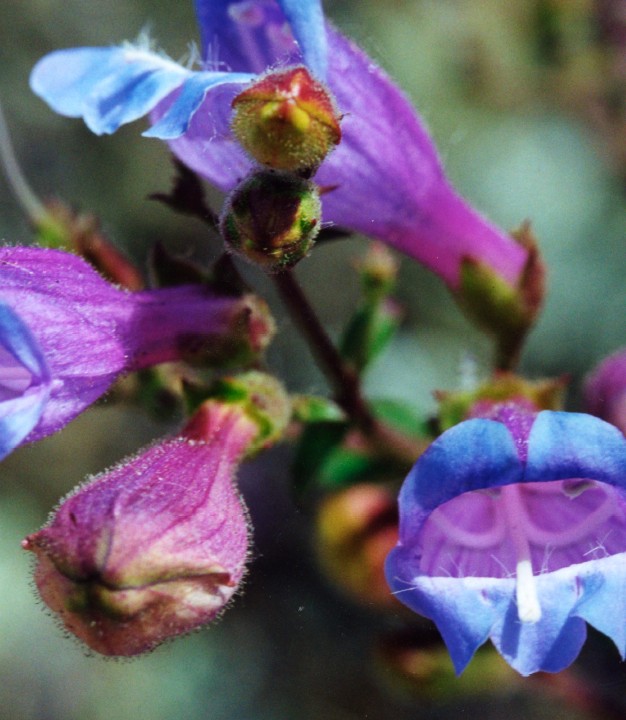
(528, 608)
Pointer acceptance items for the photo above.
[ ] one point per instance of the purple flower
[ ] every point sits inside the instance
(153, 548)
(66, 334)
(514, 528)
(385, 179)
(605, 390)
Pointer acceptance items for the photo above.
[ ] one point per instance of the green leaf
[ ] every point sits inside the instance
(316, 444)
(316, 409)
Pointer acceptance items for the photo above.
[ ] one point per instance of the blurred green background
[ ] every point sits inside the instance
(524, 104)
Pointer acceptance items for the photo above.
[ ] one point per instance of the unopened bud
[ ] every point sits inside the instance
(272, 219)
(356, 529)
(605, 390)
(287, 120)
(260, 397)
(153, 548)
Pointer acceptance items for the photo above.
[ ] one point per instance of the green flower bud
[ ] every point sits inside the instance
(272, 219)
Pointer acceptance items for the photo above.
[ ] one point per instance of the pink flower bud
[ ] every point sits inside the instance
(605, 390)
(153, 548)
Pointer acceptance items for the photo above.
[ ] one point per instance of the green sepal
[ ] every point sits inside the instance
(52, 233)
(262, 397)
(490, 301)
(506, 311)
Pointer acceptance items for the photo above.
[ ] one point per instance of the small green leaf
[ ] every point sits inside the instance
(315, 409)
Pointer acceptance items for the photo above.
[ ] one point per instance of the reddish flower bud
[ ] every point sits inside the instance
(287, 120)
(155, 547)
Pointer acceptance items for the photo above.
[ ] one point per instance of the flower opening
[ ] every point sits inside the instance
(516, 531)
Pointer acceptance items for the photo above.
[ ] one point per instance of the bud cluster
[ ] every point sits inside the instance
(287, 122)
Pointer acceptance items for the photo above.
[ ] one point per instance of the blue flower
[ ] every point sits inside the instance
(514, 529)
(400, 196)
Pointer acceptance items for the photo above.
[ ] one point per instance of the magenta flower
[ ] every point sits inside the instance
(66, 334)
(153, 548)
(605, 390)
(514, 529)
(385, 179)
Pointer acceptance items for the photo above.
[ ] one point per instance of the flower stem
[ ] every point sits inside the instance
(31, 205)
(343, 378)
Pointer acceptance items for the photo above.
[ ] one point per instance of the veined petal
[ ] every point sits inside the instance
(603, 601)
(178, 116)
(24, 381)
(107, 87)
(387, 180)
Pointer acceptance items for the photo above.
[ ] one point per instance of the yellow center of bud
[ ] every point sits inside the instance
(287, 120)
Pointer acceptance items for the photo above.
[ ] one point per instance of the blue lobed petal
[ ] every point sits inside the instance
(552, 643)
(603, 601)
(470, 610)
(462, 613)
(565, 445)
(178, 116)
(475, 454)
(108, 87)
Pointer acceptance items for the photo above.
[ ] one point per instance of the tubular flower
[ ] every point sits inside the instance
(66, 334)
(513, 528)
(153, 548)
(385, 178)
(605, 390)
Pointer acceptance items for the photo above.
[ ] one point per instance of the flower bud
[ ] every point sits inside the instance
(287, 120)
(257, 395)
(605, 390)
(153, 548)
(356, 528)
(272, 219)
